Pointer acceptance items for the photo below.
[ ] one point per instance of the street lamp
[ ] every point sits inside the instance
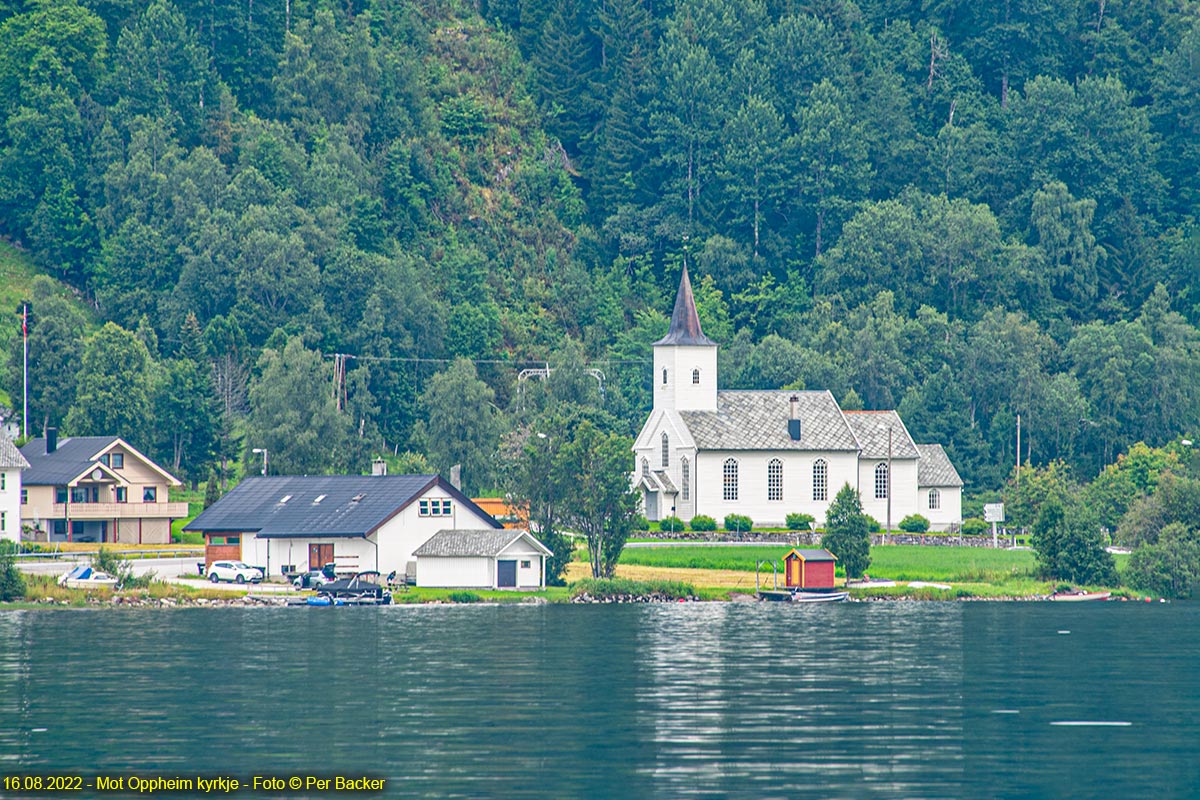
(262, 450)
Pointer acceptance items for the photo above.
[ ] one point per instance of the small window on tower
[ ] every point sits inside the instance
(696, 377)
(664, 376)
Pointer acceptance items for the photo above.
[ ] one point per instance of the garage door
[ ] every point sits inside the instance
(506, 574)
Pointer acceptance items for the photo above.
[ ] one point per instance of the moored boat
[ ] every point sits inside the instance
(87, 577)
(1078, 597)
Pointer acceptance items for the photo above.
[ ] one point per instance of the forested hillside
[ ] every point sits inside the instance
(967, 211)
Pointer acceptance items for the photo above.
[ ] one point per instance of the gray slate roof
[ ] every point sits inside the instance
(758, 420)
(319, 505)
(871, 430)
(10, 456)
(468, 543)
(71, 458)
(685, 322)
(934, 468)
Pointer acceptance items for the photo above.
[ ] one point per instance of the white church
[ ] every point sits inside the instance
(767, 454)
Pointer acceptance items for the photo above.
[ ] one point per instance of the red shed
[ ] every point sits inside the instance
(809, 569)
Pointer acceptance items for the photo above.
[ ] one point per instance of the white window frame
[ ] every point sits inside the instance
(935, 500)
(729, 479)
(666, 450)
(820, 480)
(774, 479)
(685, 470)
(881, 481)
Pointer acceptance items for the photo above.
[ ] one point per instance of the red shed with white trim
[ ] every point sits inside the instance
(809, 569)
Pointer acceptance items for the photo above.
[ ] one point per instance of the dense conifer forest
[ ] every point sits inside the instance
(339, 229)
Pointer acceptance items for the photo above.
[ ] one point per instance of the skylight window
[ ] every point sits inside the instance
(357, 498)
(284, 499)
(318, 499)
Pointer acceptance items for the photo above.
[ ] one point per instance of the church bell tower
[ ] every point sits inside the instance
(685, 360)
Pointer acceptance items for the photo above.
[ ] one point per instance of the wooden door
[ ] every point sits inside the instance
(793, 572)
(506, 574)
(319, 555)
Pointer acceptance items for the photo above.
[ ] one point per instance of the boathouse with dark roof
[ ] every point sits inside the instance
(292, 523)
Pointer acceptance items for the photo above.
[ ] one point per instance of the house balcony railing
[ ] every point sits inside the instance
(118, 510)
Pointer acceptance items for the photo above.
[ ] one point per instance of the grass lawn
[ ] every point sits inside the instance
(974, 571)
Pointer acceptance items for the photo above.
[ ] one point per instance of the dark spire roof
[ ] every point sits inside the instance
(685, 322)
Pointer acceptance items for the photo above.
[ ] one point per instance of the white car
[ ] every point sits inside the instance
(234, 571)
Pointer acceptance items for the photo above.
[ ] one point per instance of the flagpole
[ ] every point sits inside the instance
(25, 346)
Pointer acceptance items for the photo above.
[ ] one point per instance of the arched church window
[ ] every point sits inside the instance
(820, 480)
(696, 377)
(881, 482)
(730, 474)
(935, 500)
(664, 376)
(775, 479)
(666, 450)
(685, 470)
(645, 468)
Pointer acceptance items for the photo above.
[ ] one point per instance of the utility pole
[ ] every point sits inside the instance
(889, 487)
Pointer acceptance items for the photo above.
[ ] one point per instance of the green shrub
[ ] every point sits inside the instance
(463, 597)
(12, 582)
(914, 523)
(615, 587)
(738, 522)
(672, 524)
(799, 522)
(640, 523)
(974, 526)
(701, 522)
(873, 525)
(114, 564)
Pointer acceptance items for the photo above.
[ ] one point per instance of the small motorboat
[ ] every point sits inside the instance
(363, 589)
(819, 597)
(87, 577)
(1079, 596)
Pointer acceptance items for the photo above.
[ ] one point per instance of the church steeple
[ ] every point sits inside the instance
(685, 360)
(685, 322)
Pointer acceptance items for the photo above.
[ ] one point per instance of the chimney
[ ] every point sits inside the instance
(51, 440)
(794, 419)
(379, 467)
(456, 476)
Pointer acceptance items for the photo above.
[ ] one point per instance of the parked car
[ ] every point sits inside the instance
(235, 572)
(311, 579)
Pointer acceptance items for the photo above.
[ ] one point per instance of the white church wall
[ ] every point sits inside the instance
(949, 512)
(753, 484)
(904, 490)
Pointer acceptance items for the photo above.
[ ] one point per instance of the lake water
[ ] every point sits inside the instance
(855, 700)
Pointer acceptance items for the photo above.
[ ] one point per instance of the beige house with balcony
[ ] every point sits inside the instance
(96, 489)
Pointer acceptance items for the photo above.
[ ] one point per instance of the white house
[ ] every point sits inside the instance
(294, 523)
(11, 464)
(766, 454)
(487, 559)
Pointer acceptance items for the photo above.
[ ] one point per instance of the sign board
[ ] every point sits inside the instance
(993, 512)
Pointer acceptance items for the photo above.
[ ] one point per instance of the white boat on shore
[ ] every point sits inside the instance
(87, 577)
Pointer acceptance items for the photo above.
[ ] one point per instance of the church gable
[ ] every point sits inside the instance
(871, 429)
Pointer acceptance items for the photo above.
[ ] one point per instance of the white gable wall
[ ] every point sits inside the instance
(10, 504)
(904, 490)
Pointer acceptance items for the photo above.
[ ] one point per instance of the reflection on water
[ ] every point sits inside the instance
(898, 700)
